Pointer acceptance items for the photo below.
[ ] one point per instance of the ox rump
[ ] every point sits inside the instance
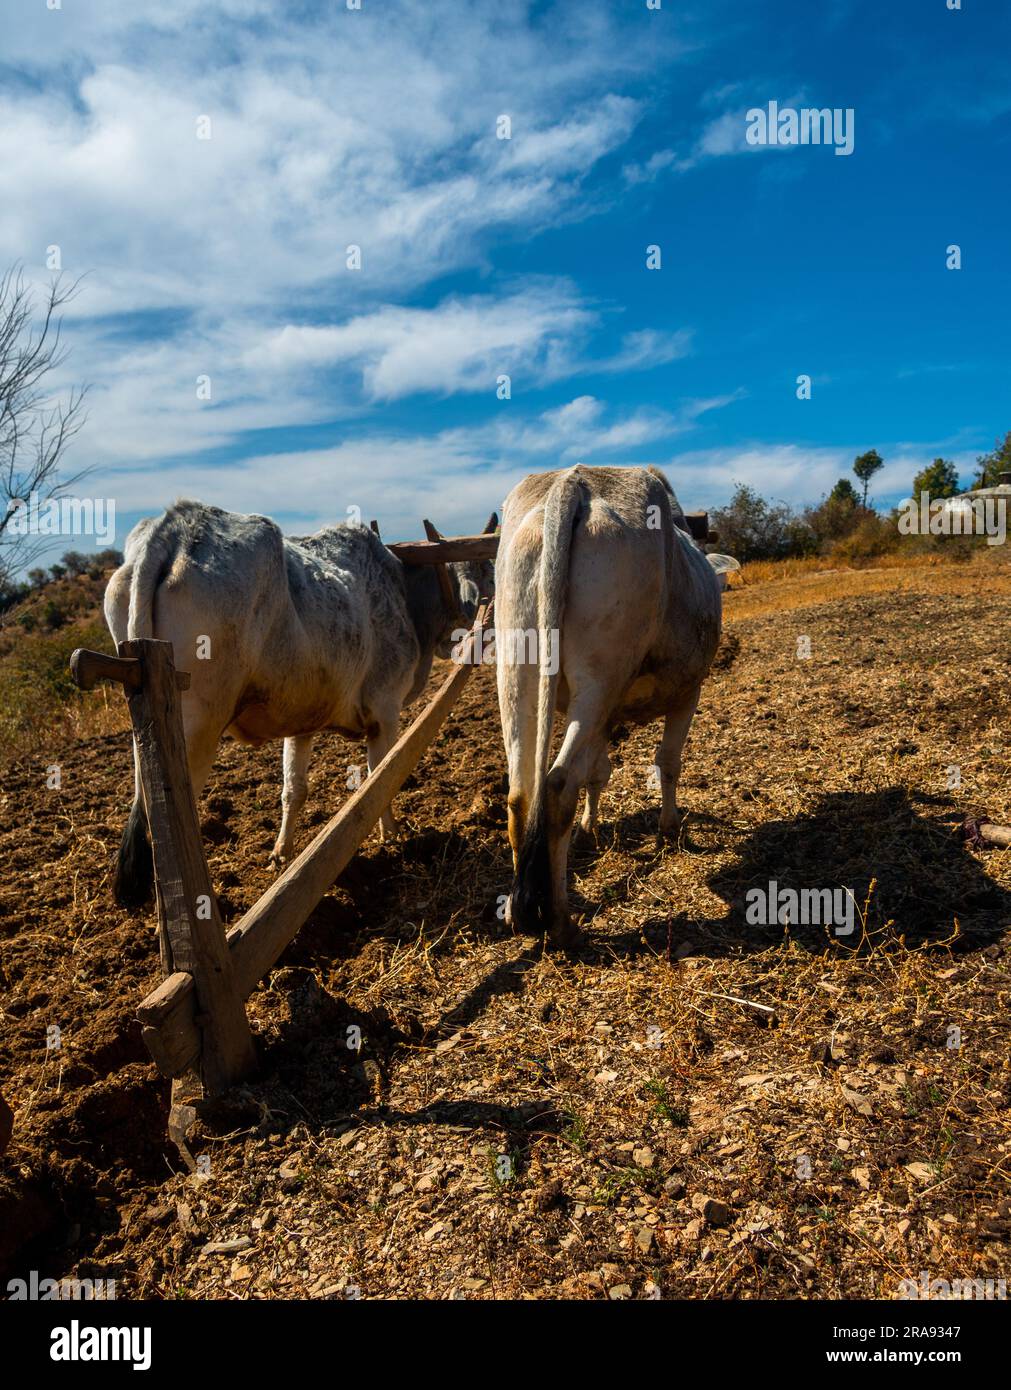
(601, 557)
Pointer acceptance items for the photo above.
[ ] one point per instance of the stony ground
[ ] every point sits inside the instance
(687, 1106)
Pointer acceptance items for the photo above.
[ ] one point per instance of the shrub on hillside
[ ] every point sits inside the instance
(835, 516)
(750, 528)
(35, 685)
(872, 536)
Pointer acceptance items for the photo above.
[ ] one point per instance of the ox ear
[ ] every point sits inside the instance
(489, 530)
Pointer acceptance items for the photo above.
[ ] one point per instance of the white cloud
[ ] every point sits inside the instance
(226, 256)
(461, 344)
(399, 478)
(651, 169)
(327, 128)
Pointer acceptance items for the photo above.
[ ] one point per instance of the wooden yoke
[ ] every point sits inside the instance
(441, 552)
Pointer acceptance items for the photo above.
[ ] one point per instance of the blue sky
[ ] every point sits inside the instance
(376, 388)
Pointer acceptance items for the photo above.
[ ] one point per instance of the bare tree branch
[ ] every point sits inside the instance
(35, 428)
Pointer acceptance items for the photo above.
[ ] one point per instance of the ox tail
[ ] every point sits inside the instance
(134, 881)
(149, 570)
(533, 905)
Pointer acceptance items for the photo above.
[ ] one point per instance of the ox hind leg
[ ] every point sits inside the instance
(381, 739)
(519, 723)
(134, 880)
(517, 692)
(297, 752)
(541, 892)
(134, 877)
(598, 775)
(668, 760)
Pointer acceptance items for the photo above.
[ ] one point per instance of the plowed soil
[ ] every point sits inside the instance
(688, 1105)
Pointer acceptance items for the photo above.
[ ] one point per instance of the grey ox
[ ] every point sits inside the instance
(283, 638)
(599, 563)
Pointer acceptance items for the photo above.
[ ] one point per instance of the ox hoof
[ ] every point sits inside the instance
(587, 835)
(566, 935)
(669, 834)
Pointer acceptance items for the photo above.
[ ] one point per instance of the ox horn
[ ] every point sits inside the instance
(445, 584)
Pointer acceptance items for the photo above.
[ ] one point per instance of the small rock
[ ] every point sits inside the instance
(548, 1196)
(227, 1247)
(859, 1103)
(713, 1211)
(288, 1175)
(620, 1292)
(644, 1239)
(184, 1215)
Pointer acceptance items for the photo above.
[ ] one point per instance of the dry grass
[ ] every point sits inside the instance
(783, 585)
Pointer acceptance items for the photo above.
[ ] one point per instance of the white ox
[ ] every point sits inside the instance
(600, 563)
(283, 638)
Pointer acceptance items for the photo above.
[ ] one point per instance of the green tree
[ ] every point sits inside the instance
(990, 466)
(865, 466)
(938, 479)
(844, 491)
